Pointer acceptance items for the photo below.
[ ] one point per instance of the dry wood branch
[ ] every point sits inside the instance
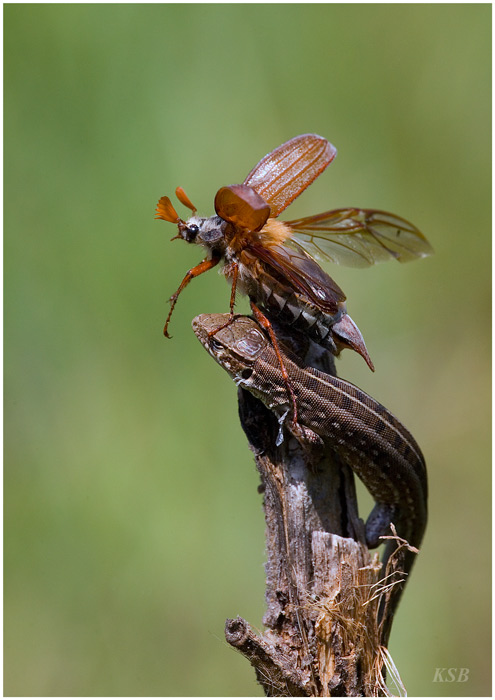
(323, 638)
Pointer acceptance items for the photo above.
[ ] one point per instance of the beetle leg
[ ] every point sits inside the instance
(265, 323)
(194, 272)
(235, 275)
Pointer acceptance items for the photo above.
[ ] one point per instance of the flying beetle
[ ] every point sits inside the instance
(274, 262)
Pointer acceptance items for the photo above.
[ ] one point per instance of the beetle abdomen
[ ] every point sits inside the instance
(290, 309)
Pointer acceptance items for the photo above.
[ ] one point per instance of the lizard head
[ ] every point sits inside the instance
(234, 343)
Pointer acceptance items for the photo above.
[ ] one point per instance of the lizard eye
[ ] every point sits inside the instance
(246, 373)
(215, 345)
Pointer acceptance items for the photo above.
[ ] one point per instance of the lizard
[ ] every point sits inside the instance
(336, 415)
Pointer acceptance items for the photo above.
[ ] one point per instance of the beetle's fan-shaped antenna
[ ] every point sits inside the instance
(166, 211)
(184, 199)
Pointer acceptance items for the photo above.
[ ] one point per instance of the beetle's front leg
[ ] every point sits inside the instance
(203, 266)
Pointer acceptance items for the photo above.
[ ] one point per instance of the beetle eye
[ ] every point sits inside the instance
(192, 231)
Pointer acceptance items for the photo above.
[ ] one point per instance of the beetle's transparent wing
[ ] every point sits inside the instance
(359, 237)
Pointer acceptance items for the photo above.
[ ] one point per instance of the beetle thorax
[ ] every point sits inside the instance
(208, 232)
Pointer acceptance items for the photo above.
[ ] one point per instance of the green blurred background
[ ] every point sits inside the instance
(133, 527)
